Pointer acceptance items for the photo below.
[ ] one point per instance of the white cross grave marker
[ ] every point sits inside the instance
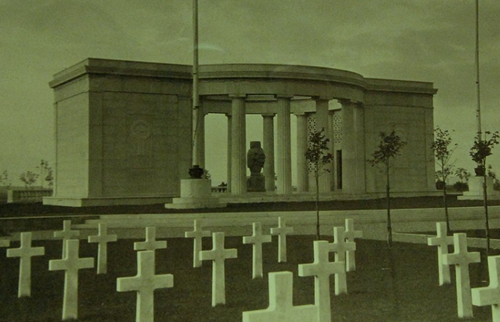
(321, 269)
(144, 283)
(442, 241)
(198, 233)
(350, 235)
(218, 255)
(490, 295)
(71, 263)
(281, 307)
(150, 243)
(103, 239)
(25, 252)
(257, 239)
(282, 230)
(66, 234)
(461, 258)
(340, 247)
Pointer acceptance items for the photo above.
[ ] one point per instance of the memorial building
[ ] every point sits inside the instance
(123, 130)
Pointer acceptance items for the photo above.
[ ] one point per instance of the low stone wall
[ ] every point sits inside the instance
(219, 189)
(27, 195)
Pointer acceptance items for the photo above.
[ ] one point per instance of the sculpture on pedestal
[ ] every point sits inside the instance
(255, 162)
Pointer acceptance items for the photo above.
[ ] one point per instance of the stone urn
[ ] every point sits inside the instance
(196, 172)
(480, 171)
(255, 162)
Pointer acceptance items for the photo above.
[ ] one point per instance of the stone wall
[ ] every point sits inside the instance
(123, 133)
(411, 117)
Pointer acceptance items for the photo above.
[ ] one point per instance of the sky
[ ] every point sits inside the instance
(420, 40)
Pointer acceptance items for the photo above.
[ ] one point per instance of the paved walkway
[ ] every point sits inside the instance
(372, 222)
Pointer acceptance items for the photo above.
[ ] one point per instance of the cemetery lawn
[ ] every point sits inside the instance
(388, 286)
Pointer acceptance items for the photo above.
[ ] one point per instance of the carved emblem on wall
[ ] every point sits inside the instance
(140, 132)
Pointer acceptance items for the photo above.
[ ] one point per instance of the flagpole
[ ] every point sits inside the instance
(478, 110)
(196, 98)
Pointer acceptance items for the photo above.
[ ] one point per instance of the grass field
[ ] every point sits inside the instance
(396, 285)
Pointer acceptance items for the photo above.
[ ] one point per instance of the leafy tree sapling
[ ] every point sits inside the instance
(479, 151)
(28, 178)
(318, 156)
(4, 179)
(443, 150)
(389, 147)
(44, 171)
(462, 174)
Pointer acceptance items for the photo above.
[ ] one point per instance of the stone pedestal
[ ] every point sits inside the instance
(476, 190)
(195, 193)
(256, 183)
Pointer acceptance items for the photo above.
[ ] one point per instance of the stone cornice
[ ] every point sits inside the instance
(401, 86)
(122, 68)
(241, 72)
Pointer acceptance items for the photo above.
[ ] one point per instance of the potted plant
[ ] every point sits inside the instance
(482, 149)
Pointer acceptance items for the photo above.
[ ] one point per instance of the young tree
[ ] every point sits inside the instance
(4, 179)
(44, 171)
(50, 177)
(389, 147)
(443, 152)
(479, 151)
(463, 175)
(318, 156)
(28, 178)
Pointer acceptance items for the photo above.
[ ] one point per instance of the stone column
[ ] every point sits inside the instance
(302, 166)
(238, 145)
(284, 169)
(322, 123)
(348, 147)
(269, 151)
(359, 182)
(229, 146)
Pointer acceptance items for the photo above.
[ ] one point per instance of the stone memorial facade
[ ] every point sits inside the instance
(123, 129)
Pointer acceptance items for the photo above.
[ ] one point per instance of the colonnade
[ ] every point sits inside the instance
(353, 146)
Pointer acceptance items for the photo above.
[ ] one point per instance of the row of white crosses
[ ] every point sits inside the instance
(145, 282)
(218, 254)
(71, 263)
(461, 258)
(281, 307)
